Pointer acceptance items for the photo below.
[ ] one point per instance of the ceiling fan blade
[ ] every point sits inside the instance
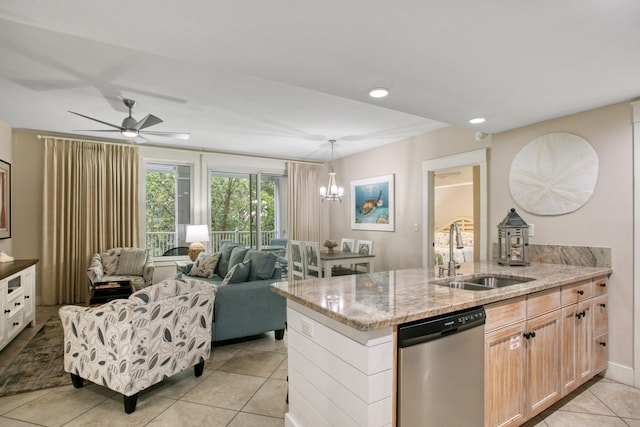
(149, 120)
(96, 120)
(96, 130)
(178, 135)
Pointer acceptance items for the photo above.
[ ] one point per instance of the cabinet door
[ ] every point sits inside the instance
(577, 341)
(29, 287)
(3, 315)
(569, 351)
(504, 355)
(542, 340)
(585, 341)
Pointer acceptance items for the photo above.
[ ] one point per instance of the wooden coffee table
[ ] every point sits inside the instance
(102, 292)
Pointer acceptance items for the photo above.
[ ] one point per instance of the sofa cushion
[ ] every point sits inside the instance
(205, 265)
(239, 273)
(237, 256)
(223, 263)
(263, 264)
(131, 261)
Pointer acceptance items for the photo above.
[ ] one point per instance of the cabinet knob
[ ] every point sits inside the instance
(7, 311)
(603, 343)
(16, 323)
(26, 297)
(529, 335)
(580, 292)
(603, 305)
(603, 284)
(17, 304)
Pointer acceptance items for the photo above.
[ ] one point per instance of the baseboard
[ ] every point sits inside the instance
(620, 373)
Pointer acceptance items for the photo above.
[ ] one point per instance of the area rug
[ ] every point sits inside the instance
(39, 364)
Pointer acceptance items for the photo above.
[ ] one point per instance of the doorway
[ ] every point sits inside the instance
(477, 161)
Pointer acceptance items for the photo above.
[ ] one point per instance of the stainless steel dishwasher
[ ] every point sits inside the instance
(441, 370)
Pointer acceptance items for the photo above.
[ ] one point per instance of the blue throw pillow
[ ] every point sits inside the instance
(263, 264)
(239, 273)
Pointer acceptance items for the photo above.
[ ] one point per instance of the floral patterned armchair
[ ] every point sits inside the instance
(127, 345)
(115, 264)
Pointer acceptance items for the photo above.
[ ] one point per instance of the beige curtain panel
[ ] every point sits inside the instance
(304, 202)
(91, 204)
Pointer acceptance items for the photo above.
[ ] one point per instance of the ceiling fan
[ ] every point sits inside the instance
(131, 128)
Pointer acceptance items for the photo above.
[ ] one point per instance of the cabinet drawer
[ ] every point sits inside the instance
(574, 293)
(504, 313)
(543, 302)
(600, 352)
(14, 324)
(600, 314)
(600, 285)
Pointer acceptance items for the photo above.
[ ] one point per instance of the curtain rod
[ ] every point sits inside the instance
(197, 150)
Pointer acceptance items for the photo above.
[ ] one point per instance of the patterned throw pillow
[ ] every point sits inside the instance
(239, 273)
(205, 265)
(131, 262)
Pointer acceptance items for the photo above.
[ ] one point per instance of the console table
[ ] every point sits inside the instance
(17, 298)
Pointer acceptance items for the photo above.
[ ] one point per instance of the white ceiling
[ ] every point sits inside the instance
(279, 78)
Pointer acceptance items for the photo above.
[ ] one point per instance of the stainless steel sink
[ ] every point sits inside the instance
(485, 283)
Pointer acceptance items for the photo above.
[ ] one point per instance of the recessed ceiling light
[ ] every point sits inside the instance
(477, 120)
(379, 92)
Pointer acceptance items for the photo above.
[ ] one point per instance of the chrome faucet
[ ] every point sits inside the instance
(451, 270)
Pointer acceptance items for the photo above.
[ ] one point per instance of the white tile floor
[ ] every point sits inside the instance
(244, 384)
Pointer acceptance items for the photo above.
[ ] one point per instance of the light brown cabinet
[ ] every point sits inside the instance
(540, 347)
(521, 359)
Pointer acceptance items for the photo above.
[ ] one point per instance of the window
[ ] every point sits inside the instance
(246, 208)
(168, 206)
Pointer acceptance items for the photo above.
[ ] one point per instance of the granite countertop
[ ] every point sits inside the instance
(378, 300)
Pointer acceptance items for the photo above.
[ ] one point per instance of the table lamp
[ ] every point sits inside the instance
(196, 234)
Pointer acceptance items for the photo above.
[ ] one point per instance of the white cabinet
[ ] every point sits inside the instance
(17, 298)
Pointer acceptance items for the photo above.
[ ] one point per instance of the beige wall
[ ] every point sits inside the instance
(28, 157)
(402, 248)
(606, 220)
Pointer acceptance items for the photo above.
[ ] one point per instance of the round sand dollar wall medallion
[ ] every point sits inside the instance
(554, 174)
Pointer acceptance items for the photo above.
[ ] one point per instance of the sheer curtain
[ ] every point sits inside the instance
(304, 201)
(91, 204)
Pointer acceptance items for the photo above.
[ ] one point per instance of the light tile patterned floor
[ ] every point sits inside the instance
(244, 384)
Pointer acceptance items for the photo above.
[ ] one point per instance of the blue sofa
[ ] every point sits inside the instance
(248, 307)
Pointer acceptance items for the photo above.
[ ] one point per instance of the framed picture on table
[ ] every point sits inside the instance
(373, 204)
(5, 200)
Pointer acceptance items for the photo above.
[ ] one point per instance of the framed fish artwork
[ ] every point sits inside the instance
(373, 204)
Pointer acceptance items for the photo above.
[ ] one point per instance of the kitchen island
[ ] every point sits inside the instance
(342, 332)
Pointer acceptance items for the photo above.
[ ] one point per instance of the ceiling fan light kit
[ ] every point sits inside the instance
(131, 128)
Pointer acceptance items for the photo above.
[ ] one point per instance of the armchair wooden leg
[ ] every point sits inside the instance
(279, 334)
(130, 403)
(197, 369)
(77, 381)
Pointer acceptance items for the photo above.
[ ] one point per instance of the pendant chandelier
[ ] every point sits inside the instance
(332, 191)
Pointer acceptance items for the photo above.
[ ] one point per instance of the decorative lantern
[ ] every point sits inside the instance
(513, 240)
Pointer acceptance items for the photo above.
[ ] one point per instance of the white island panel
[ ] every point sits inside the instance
(337, 378)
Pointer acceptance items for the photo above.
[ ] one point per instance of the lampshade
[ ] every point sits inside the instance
(197, 233)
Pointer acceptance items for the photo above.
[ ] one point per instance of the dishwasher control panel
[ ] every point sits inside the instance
(436, 327)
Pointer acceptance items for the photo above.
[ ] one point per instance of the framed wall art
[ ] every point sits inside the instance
(5, 200)
(373, 204)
